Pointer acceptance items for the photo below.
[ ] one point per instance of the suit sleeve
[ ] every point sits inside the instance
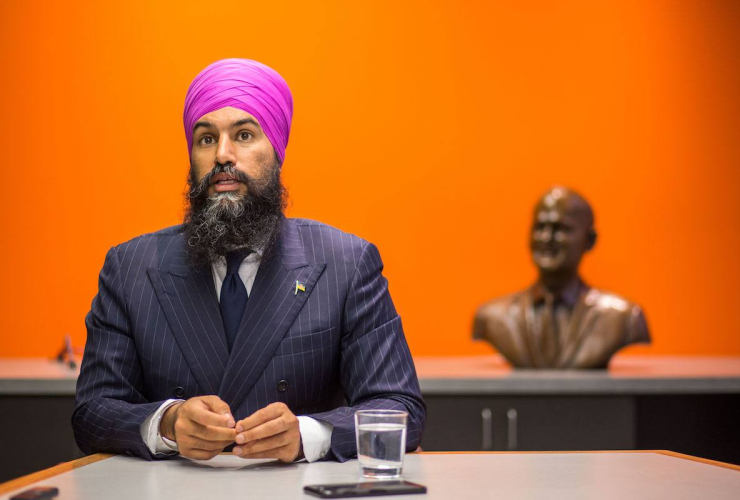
(110, 406)
(376, 368)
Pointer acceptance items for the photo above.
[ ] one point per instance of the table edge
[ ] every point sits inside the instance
(668, 453)
(35, 477)
(716, 463)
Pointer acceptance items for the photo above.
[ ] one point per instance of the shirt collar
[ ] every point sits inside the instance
(219, 265)
(568, 295)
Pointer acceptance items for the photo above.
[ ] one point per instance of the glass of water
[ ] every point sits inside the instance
(381, 442)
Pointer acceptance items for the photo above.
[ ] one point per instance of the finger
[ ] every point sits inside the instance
(269, 412)
(193, 442)
(211, 433)
(217, 405)
(203, 415)
(262, 431)
(185, 427)
(283, 454)
(266, 444)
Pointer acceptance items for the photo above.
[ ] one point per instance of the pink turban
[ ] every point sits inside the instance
(246, 85)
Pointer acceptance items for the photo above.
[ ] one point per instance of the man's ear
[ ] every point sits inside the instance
(591, 239)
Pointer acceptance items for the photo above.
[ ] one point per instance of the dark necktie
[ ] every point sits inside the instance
(233, 295)
(550, 333)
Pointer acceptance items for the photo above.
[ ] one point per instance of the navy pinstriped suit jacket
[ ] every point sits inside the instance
(155, 330)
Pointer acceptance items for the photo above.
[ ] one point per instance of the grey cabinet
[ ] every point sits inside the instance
(36, 433)
(703, 425)
(544, 423)
(687, 404)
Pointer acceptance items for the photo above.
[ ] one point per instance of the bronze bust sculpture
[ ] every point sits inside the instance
(560, 322)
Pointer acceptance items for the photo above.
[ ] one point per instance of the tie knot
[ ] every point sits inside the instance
(234, 260)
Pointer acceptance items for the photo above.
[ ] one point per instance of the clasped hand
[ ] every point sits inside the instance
(203, 426)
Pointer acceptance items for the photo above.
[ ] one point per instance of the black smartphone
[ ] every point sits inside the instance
(37, 493)
(369, 489)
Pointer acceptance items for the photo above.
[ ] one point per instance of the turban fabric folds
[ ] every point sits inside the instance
(247, 85)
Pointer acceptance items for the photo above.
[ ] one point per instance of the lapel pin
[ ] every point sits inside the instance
(299, 286)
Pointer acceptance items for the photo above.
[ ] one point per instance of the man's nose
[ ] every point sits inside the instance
(546, 234)
(225, 150)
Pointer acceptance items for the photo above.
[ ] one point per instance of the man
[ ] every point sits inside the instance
(560, 322)
(241, 326)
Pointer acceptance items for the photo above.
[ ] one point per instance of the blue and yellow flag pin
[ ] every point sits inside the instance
(299, 286)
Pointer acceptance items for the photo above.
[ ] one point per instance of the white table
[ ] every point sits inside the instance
(568, 476)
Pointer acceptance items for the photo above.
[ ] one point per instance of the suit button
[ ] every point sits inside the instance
(282, 386)
(179, 392)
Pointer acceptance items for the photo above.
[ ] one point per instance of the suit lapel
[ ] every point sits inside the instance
(188, 299)
(581, 324)
(273, 305)
(529, 331)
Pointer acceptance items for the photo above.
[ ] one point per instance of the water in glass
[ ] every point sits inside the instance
(381, 447)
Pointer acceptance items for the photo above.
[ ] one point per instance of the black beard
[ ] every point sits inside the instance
(215, 225)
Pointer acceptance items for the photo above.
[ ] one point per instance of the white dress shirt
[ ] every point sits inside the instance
(315, 435)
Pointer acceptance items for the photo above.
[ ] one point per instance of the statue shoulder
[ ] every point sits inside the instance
(501, 305)
(498, 316)
(610, 305)
(606, 300)
(501, 323)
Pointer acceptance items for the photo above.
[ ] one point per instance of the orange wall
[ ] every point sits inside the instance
(427, 127)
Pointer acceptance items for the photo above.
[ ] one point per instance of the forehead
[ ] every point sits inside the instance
(225, 117)
(560, 212)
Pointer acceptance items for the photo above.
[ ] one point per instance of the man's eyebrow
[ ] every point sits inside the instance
(245, 121)
(202, 124)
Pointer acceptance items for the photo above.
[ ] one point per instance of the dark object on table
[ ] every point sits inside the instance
(67, 354)
(366, 489)
(37, 493)
(560, 322)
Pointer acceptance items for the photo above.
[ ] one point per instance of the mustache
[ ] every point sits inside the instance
(226, 168)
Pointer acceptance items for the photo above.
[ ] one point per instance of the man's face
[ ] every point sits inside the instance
(559, 237)
(235, 197)
(230, 136)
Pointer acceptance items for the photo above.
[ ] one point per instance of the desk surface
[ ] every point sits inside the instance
(481, 375)
(475, 375)
(36, 376)
(568, 476)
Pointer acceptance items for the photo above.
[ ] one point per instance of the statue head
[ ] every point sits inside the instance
(562, 231)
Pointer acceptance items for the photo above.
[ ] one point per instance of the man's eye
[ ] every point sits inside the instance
(206, 140)
(245, 136)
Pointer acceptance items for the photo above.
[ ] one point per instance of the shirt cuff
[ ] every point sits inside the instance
(315, 437)
(157, 443)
